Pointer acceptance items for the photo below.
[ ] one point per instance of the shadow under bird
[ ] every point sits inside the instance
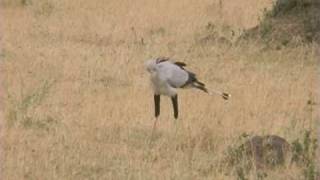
(167, 76)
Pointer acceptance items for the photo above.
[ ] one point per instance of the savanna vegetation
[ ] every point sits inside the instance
(78, 104)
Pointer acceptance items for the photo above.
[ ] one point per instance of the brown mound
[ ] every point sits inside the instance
(267, 151)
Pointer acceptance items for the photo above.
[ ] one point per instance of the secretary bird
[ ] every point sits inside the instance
(167, 76)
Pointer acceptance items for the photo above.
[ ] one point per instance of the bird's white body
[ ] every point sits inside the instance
(166, 77)
(160, 86)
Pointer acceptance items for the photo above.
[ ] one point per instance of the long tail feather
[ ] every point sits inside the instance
(199, 85)
(224, 95)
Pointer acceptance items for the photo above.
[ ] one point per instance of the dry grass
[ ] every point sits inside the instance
(78, 103)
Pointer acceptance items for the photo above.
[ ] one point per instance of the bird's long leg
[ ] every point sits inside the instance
(153, 130)
(175, 105)
(154, 127)
(156, 105)
(156, 112)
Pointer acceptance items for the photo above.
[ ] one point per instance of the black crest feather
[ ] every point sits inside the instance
(161, 59)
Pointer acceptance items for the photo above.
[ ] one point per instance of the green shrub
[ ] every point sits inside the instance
(304, 154)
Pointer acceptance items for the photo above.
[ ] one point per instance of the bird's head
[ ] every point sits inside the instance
(151, 65)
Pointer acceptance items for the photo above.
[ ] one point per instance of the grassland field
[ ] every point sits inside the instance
(78, 103)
